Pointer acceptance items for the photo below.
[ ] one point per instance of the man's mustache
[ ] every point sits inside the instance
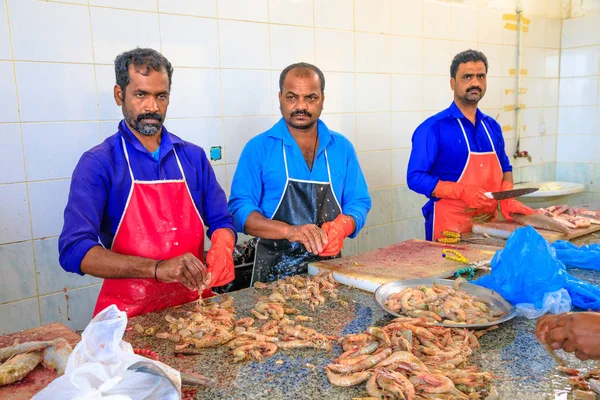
(301, 112)
(474, 88)
(155, 116)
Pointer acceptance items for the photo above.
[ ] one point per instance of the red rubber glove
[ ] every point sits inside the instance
(473, 196)
(512, 206)
(337, 230)
(219, 259)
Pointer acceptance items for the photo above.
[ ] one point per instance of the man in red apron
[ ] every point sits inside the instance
(147, 195)
(458, 155)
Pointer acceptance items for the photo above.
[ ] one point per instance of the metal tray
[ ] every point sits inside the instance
(489, 296)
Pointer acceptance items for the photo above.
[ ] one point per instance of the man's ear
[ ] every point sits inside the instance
(452, 83)
(118, 93)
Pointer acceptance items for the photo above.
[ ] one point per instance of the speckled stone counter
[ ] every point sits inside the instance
(523, 368)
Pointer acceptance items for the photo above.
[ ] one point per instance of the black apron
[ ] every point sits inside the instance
(302, 202)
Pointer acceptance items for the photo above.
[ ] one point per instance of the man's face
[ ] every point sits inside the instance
(470, 83)
(146, 99)
(301, 99)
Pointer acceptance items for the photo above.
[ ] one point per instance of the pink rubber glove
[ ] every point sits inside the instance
(337, 230)
(473, 196)
(219, 259)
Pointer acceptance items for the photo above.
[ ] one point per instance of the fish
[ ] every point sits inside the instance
(56, 356)
(541, 221)
(18, 367)
(8, 352)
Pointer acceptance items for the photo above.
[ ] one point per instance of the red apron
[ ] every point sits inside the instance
(482, 170)
(160, 221)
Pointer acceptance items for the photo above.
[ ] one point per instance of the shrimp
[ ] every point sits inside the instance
(347, 380)
(404, 360)
(18, 367)
(294, 344)
(452, 306)
(370, 361)
(432, 383)
(248, 321)
(379, 334)
(275, 309)
(396, 384)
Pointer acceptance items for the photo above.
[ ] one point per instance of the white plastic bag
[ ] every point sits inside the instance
(557, 302)
(97, 367)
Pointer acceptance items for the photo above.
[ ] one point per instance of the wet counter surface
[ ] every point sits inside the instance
(523, 368)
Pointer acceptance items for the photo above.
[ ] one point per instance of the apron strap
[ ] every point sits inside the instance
(287, 174)
(127, 158)
(489, 137)
(328, 169)
(464, 134)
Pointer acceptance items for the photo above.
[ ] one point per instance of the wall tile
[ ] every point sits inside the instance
(464, 23)
(202, 8)
(189, 41)
(256, 82)
(108, 128)
(142, 5)
(339, 92)
(44, 31)
(110, 42)
(553, 28)
(372, 52)
(582, 31)
(493, 52)
(381, 210)
(238, 131)
(551, 120)
(494, 94)
(5, 53)
(72, 88)
(437, 20)
(291, 12)
(552, 63)
(105, 82)
(46, 155)
(19, 316)
(549, 149)
(401, 63)
(409, 229)
(195, 93)
(74, 311)
(435, 95)
(372, 92)
(574, 172)
(377, 168)
(578, 91)
(48, 200)
(575, 149)
(404, 125)
(531, 119)
(51, 277)
(535, 92)
(11, 164)
(221, 175)
(350, 247)
(230, 168)
(407, 92)
(291, 44)
(8, 105)
(437, 57)
(406, 204)
(235, 53)
(337, 14)
(203, 132)
(550, 97)
(372, 15)
(248, 10)
(399, 166)
(534, 61)
(17, 273)
(580, 62)
(342, 123)
(334, 50)
(490, 26)
(407, 16)
(375, 237)
(373, 131)
(14, 214)
(536, 35)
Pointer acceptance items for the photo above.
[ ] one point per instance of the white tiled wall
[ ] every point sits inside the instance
(386, 64)
(578, 146)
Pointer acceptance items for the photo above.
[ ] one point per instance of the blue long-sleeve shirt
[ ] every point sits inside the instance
(439, 151)
(101, 183)
(259, 179)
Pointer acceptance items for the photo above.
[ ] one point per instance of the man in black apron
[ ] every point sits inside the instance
(289, 179)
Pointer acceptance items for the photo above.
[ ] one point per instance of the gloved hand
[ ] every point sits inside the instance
(219, 259)
(512, 206)
(473, 196)
(337, 230)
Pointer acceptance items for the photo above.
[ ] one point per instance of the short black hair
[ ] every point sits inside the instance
(465, 57)
(143, 60)
(302, 65)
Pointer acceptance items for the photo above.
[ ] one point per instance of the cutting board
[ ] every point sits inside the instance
(503, 229)
(40, 377)
(406, 260)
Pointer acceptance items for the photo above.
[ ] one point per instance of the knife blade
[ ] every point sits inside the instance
(508, 194)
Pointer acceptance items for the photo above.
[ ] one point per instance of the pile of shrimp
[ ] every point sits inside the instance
(310, 291)
(412, 359)
(441, 303)
(582, 387)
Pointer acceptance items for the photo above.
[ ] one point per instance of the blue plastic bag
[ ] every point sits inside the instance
(528, 268)
(585, 257)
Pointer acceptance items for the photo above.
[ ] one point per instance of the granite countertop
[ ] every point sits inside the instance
(523, 368)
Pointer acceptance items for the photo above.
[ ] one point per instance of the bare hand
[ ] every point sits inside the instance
(577, 333)
(311, 236)
(186, 269)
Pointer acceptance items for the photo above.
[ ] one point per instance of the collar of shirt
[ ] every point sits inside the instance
(456, 113)
(166, 143)
(281, 131)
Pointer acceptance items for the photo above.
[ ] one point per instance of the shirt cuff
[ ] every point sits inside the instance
(242, 215)
(73, 263)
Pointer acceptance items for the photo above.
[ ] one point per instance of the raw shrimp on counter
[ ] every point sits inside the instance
(412, 359)
(441, 303)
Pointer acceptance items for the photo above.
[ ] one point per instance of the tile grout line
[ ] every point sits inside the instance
(222, 116)
(37, 292)
(95, 72)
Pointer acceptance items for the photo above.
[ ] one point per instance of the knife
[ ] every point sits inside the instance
(508, 194)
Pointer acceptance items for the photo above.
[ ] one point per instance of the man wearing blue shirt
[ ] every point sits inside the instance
(298, 187)
(458, 155)
(147, 196)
